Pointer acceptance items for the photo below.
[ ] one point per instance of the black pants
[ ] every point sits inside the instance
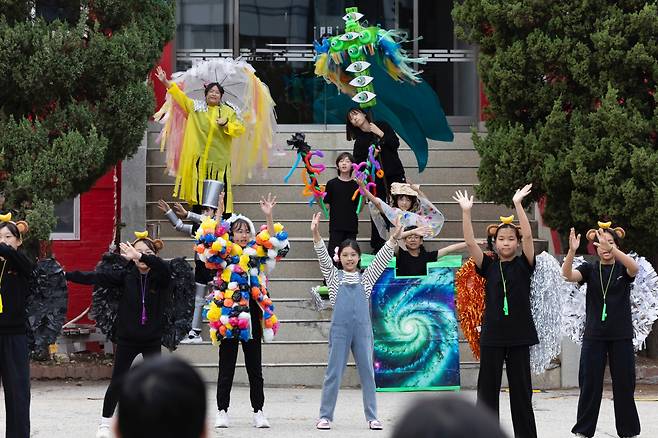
(15, 379)
(336, 238)
(124, 355)
(228, 356)
(383, 189)
(517, 360)
(621, 357)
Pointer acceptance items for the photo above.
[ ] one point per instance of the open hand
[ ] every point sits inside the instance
(315, 223)
(180, 210)
(396, 233)
(267, 205)
(424, 231)
(129, 252)
(521, 193)
(465, 202)
(574, 240)
(603, 242)
(162, 205)
(162, 76)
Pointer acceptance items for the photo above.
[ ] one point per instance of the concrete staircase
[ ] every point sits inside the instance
(299, 354)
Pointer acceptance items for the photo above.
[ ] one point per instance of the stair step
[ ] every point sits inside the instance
(432, 174)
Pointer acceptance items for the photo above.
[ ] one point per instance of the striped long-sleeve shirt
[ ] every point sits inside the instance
(368, 278)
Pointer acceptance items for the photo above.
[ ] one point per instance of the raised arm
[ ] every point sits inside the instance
(329, 271)
(526, 231)
(466, 204)
(620, 256)
(567, 265)
(369, 196)
(383, 256)
(176, 93)
(173, 218)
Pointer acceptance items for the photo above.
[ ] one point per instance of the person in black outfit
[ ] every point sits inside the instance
(343, 220)
(508, 329)
(360, 128)
(413, 260)
(15, 272)
(139, 324)
(608, 331)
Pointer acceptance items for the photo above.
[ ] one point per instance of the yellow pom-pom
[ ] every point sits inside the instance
(208, 225)
(226, 275)
(217, 246)
(213, 336)
(264, 235)
(214, 312)
(260, 251)
(236, 250)
(244, 262)
(278, 228)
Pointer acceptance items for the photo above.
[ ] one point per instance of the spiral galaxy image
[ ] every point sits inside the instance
(415, 331)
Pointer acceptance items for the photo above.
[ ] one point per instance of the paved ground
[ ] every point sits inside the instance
(65, 409)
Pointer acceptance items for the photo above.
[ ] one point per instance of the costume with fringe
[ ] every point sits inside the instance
(197, 148)
(176, 305)
(644, 304)
(546, 287)
(46, 306)
(369, 65)
(241, 275)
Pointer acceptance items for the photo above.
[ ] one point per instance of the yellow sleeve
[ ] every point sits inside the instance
(234, 126)
(181, 98)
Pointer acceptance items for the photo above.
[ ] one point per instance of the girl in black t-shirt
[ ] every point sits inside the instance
(608, 331)
(343, 220)
(508, 329)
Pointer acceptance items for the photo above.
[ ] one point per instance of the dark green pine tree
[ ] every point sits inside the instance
(74, 97)
(571, 87)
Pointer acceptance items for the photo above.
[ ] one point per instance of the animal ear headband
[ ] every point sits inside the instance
(21, 225)
(144, 235)
(619, 231)
(504, 220)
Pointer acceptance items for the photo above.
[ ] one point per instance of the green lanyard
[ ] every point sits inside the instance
(505, 307)
(604, 313)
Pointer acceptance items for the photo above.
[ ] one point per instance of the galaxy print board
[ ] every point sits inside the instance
(415, 328)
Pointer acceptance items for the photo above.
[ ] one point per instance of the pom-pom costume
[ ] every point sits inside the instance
(241, 278)
(369, 65)
(241, 308)
(199, 148)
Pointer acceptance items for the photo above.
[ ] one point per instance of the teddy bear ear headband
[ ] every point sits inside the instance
(504, 220)
(21, 225)
(144, 235)
(619, 231)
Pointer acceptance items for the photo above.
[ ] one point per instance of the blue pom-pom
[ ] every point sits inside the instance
(266, 314)
(226, 311)
(245, 295)
(244, 334)
(283, 235)
(229, 334)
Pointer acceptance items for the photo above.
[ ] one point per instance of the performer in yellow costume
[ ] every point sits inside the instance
(206, 153)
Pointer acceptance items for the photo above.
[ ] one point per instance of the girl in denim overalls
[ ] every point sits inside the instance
(349, 293)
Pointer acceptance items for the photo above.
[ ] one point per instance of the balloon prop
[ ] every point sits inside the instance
(365, 173)
(310, 172)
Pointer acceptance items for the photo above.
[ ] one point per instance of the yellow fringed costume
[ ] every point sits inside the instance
(206, 152)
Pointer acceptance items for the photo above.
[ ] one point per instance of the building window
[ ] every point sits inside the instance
(68, 220)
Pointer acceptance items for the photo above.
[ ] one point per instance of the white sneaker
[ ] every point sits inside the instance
(222, 419)
(103, 431)
(260, 420)
(323, 424)
(192, 338)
